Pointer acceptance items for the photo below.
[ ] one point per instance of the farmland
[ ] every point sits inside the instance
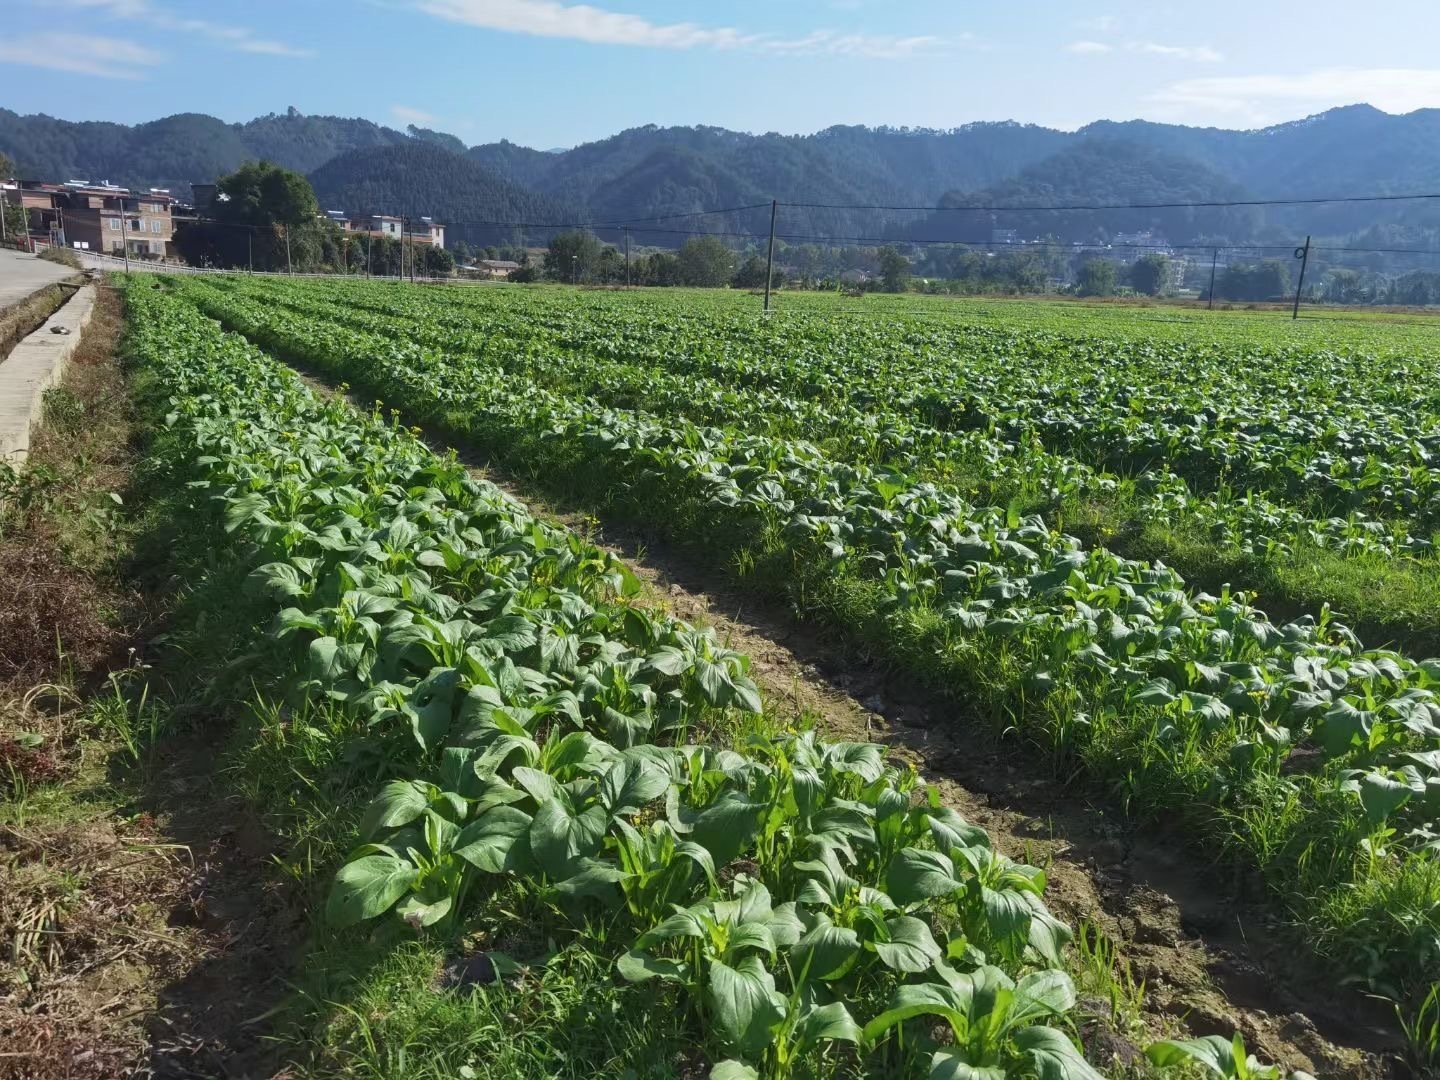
(1187, 563)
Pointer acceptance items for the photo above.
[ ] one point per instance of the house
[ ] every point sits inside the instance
(384, 225)
(340, 218)
(493, 269)
(421, 230)
(98, 216)
(1147, 239)
(1175, 271)
(426, 231)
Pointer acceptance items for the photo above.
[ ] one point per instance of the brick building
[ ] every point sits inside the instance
(102, 217)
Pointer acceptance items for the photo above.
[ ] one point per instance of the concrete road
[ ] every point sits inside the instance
(21, 275)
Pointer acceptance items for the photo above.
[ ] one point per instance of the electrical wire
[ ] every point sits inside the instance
(1219, 203)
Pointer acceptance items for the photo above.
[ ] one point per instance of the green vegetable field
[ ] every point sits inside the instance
(1185, 560)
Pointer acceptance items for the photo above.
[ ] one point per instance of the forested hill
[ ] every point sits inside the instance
(423, 178)
(179, 150)
(1099, 171)
(653, 171)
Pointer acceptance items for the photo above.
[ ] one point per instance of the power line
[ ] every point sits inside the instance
(1029, 245)
(1128, 206)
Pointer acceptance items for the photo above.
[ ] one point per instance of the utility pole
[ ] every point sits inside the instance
(574, 270)
(627, 258)
(1214, 259)
(125, 235)
(369, 240)
(1303, 254)
(250, 248)
(288, 268)
(770, 254)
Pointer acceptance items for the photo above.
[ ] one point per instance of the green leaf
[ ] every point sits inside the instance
(911, 947)
(595, 878)
(826, 953)
(1381, 795)
(1212, 1051)
(368, 887)
(743, 1002)
(865, 760)
(1007, 915)
(1053, 1056)
(726, 827)
(916, 874)
(951, 1065)
(731, 1069)
(639, 966)
(921, 999)
(399, 803)
(953, 831)
(496, 841)
(1344, 726)
(1044, 993)
(560, 838)
(828, 1023)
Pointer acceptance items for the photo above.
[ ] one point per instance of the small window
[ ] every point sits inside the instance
(134, 224)
(114, 224)
(156, 226)
(157, 247)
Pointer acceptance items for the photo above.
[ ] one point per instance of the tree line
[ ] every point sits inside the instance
(267, 218)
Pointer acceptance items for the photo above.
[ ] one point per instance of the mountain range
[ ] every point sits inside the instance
(649, 172)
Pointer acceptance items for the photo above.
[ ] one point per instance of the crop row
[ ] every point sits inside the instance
(537, 726)
(879, 429)
(1339, 432)
(1316, 758)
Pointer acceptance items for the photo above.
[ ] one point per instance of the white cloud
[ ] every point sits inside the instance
(584, 22)
(1260, 100)
(79, 54)
(1102, 24)
(830, 43)
(412, 115)
(235, 37)
(1199, 54)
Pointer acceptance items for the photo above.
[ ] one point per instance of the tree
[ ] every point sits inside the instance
(1269, 280)
(571, 256)
(7, 166)
(706, 261)
(262, 193)
(268, 218)
(751, 274)
(1096, 278)
(1149, 274)
(436, 262)
(894, 270)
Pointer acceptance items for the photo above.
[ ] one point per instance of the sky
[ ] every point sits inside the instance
(550, 73)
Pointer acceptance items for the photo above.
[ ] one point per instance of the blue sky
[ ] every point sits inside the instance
(552, 73)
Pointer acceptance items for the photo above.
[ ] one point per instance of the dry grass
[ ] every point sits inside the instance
(85, 894)
(20, 319)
